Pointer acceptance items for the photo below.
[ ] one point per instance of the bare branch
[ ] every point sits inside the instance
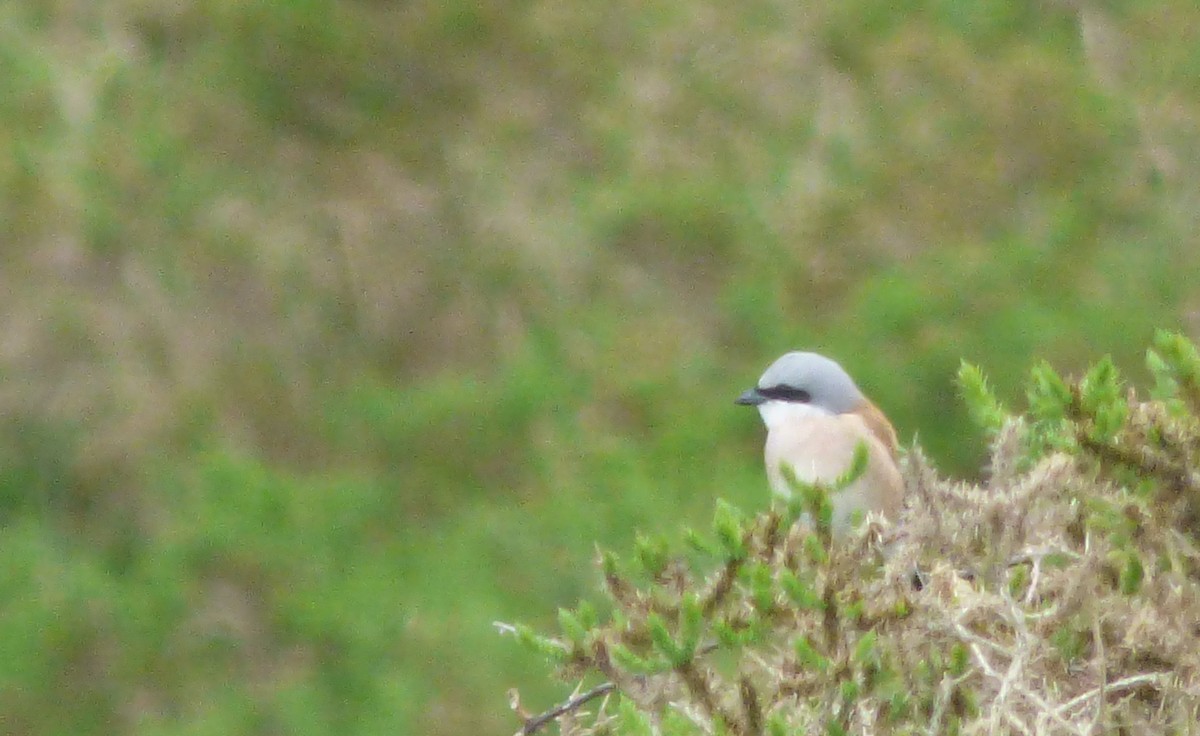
(533, 725)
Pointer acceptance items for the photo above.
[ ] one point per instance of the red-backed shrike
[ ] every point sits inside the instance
(815, 417)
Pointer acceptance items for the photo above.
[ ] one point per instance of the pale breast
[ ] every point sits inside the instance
(820, 449)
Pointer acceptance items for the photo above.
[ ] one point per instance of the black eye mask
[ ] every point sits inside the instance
(786, 393)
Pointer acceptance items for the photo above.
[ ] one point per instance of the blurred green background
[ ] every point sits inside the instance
(334, 331)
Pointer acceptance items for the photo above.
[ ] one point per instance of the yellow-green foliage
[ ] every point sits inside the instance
(1058, 596)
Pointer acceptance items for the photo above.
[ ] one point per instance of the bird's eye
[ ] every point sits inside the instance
(786, 393)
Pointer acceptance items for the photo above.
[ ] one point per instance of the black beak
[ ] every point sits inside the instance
(750, 398)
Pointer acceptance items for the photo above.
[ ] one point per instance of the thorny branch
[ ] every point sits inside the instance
(534, 724)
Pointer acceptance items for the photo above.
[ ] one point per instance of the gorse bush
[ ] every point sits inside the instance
(1060, 595)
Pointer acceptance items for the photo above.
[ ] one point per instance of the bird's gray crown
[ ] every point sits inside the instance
(827, 385)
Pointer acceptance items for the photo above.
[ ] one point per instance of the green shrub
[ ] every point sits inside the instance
(1056, 596)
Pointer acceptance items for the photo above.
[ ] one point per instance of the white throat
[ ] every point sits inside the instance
(780, 413)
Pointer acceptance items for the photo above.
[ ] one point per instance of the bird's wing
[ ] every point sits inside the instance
(879, 425)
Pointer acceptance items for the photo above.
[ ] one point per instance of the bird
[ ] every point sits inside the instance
(816, 416)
